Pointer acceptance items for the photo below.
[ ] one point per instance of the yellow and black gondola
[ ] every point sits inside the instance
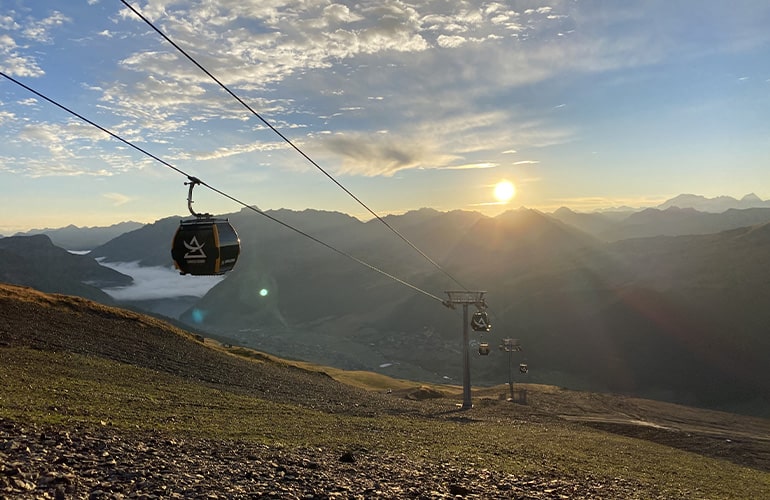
(204, 245)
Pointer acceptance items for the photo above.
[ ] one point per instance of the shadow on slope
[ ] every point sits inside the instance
(71, 324)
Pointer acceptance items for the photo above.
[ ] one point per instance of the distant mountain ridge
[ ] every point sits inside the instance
(83, 238)
(718, 204)
(671, 221)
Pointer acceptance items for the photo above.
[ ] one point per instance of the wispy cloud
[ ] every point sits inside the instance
(471, 166)
(65, 149)
(489, 204)
(13, 62)
(594, 203)
(118, 199)
(6, 116)
(40, 31)
(381, 154)
(19, 58)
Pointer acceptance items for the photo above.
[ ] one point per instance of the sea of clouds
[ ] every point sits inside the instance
(158, 282)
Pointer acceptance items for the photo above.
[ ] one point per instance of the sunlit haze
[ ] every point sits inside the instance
(586, 104)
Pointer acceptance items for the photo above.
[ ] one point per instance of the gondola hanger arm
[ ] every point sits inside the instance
(193, 182)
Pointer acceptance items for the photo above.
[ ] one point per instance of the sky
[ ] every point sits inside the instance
(586, 104)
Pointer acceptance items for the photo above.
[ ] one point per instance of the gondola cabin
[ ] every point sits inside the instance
(480, 322)
(205, 246)
(484, 348)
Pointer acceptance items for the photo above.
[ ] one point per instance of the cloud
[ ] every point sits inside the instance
(601, 203)
(40, 31)
(380, 154)
(8, 23)
(67, 149)
(471, 166)
(526, 162)
(62, 139)
(234, 150)
(6, 116)
(37, 168)
(15, 64)
(489, 204)
(450, 41)
(118, 199)
(158, 282)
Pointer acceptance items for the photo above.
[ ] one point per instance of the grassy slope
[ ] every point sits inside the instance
(66, 388)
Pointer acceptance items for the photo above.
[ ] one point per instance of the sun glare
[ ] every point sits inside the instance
(504, 191)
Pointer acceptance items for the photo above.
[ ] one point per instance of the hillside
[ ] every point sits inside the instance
(70, 324)
(97, 402)
(35, 261)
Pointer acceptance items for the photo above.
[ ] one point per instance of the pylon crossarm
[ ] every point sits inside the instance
(465, 297)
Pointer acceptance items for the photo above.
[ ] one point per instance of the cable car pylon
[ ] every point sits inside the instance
(465, 298)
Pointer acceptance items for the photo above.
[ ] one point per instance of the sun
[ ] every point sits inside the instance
(504, 191)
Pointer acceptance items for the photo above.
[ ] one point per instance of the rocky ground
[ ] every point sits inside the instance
(39, 463)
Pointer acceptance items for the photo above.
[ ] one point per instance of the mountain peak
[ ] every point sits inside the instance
(751, 197)
(563, 211)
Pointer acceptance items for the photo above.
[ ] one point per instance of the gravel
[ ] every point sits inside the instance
(48, 462)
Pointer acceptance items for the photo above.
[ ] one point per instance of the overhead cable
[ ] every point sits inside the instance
(220, 192)
(289, 142)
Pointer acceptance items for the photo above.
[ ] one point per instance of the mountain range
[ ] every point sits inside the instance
(83, 238)
(716, 205)
(681, 215)
(680, 318)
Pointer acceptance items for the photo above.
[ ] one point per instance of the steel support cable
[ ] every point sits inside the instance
(220, 192)
(289, 142)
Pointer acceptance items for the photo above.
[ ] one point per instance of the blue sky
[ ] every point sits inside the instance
(586, 104)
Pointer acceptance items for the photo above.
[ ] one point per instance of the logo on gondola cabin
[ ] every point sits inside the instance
(195, 251)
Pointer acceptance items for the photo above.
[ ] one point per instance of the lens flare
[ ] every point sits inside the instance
(198, 315)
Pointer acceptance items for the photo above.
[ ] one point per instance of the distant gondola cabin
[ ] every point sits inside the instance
(480, 322)
(205, 246)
